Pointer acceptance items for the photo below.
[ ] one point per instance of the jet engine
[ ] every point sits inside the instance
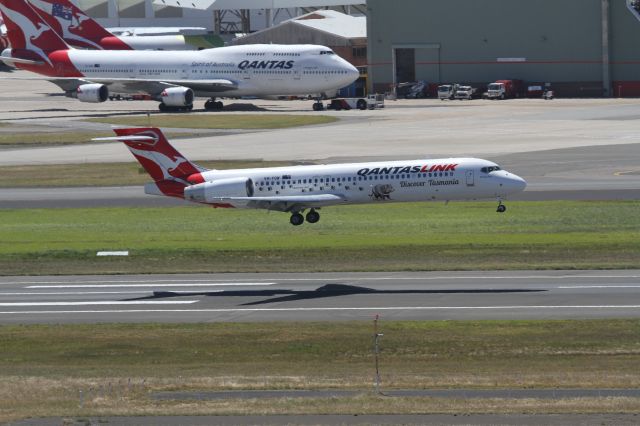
(93, 93)
(210, 192)
(177, 96)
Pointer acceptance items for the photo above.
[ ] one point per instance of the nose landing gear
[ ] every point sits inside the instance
(501, 207)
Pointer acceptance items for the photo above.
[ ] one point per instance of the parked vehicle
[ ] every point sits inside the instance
(412, 90)
(548, 94)
(370, 102)
(503, 89)
(447, 91)
(466, 92)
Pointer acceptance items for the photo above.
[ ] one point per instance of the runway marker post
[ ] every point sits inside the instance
(376, 351)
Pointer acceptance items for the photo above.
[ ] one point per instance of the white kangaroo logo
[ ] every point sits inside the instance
(166, 164)
(30, 30)
(66, 26)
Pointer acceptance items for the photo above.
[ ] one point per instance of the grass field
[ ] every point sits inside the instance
(23, 139)
(421, 236)
(220, 121)
(100, 174)
(117, 366)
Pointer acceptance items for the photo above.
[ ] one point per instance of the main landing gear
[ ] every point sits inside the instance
(501, 207)
(297, 218)
(165, 108)
(213, 105)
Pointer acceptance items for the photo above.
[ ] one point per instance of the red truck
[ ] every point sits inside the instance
(503, 89)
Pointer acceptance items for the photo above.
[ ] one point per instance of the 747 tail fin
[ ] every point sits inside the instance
(76, 27)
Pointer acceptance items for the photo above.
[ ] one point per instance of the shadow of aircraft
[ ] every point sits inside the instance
(328, 290)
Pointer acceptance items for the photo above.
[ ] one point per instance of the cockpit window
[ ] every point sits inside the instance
(489, 169)
(327, 52)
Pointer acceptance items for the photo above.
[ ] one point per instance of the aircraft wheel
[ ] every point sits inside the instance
(501, 208)
(209, 105)
(317, 106)
(218, 105)
(162, 107)
(313, 216)
(296, 219)
(362, 104)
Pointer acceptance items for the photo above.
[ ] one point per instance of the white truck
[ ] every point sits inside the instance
(373, 101)
(465, 92)
(447, 91)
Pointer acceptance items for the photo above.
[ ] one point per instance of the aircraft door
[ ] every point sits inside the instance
(246, 74)
(470, 177)
(296, 73)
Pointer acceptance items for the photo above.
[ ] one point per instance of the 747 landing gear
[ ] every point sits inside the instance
(318, 106)
(165, 108)
(501, 207)
(213, 105)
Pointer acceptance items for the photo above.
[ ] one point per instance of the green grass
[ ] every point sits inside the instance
(100, 174)
(43, 367)
(421, 236)
(220, 121)
(48, 138)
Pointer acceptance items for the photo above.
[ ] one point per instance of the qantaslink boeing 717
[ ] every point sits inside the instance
(173, 78)
(300, 189)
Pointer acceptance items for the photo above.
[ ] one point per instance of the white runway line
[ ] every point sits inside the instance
(601, 286)
(269, 281)
(85, 293)
(103, 302)
(403, 308)
(149, 285)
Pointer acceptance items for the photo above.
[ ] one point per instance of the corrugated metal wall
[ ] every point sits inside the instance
(479, 41)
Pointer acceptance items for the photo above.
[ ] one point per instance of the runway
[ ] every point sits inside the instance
(321, 297)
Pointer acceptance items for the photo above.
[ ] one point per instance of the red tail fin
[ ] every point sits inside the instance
(28, 32)
(75, 27)
(159, 158)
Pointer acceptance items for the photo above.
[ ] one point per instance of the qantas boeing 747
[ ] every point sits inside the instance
(171, 77)
(299, 189)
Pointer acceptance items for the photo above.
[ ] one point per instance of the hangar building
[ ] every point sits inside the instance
(580, 47)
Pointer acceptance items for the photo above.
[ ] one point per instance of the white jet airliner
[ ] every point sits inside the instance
(80, 30)
(171, 77)
(297, 189)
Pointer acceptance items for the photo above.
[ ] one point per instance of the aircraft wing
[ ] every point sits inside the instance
(148, 86)
(289, 202)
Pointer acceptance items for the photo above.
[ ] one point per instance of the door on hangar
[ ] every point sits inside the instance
(416, 62)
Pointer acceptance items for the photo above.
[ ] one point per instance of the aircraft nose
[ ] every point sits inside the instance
(509, 183)
(515, 183)
(352, 72)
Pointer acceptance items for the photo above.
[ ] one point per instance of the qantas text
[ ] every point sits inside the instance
(261, 65)
(408, 169)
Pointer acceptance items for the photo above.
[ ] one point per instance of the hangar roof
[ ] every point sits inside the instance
(255, 4)
(333, 22)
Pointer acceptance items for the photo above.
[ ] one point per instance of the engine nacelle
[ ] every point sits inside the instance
(210, 192)
(93, 93)
(177, 96)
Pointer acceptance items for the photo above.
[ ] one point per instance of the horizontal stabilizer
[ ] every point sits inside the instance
(20, 61)
(125, 138)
